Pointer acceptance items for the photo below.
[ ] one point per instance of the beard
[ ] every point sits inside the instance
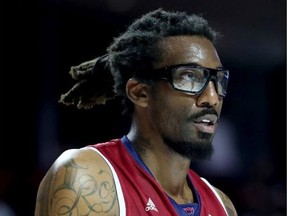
(192, 150)
(177, 130)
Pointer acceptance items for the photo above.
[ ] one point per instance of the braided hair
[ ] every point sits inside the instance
(132, 54)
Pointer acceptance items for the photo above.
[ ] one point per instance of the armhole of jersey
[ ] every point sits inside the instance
(122, 207)
(215, 192)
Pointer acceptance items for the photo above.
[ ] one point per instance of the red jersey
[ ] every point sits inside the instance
(140, 194)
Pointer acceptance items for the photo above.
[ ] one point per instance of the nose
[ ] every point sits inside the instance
(209, 97)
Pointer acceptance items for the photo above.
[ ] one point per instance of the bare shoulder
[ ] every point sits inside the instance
(78, 183)
(227, 202)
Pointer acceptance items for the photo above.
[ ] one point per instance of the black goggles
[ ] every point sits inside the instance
(192, 78)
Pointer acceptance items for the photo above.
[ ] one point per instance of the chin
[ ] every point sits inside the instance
(201, 149)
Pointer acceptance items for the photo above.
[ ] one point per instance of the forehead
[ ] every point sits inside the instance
(188, 49)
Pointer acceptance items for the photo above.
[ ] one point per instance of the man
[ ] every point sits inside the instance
(167, 70)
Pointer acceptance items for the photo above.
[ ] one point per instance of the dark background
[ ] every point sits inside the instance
(41, 39)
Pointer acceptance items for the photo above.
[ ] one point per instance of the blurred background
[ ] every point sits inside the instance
(41, 39)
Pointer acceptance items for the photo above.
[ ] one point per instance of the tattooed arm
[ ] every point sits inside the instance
(227, 202)
(78, 183)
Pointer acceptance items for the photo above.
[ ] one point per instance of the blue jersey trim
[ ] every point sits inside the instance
(134, 154)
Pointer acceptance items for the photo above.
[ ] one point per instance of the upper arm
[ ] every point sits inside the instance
(227, 203)
(78, 183)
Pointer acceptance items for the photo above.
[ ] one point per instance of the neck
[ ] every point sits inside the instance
(169, 168)
(171, 174)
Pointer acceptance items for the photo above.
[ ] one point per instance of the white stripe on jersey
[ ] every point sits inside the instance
(121, 201)
(215, 192)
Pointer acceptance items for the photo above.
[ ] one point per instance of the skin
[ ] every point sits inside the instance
(151, 121)
(81, 183)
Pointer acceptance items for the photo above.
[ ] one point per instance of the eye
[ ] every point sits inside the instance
(189, 74)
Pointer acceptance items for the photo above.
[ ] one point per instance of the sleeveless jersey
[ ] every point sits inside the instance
(140, 194)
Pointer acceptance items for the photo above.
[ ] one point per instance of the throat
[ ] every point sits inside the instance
(183, 199)
(183, 195)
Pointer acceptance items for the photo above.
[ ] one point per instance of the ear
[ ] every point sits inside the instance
(137, 92)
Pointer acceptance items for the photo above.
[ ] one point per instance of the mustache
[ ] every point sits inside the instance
(204, 112)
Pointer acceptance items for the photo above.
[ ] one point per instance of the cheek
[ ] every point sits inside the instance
(171, 108)
(162, 109)
(172, 113)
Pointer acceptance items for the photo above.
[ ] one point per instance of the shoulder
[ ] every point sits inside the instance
(79, 182)
(229, 206)
(227, 203)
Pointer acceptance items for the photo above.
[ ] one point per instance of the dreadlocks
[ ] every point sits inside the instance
(132, 54)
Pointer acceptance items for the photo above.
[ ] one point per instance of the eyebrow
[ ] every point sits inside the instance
(217, 68)
(196, 64)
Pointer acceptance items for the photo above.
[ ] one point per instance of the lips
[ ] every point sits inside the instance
(206, 123)
(206, 119)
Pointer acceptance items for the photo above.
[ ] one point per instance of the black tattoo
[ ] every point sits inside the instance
(82, 189)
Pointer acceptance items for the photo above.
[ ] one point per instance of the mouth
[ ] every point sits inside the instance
(206, 123)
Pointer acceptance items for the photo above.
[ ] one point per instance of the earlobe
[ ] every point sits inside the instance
(137, 92)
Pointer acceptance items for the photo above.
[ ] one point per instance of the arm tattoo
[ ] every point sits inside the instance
(83, 189)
